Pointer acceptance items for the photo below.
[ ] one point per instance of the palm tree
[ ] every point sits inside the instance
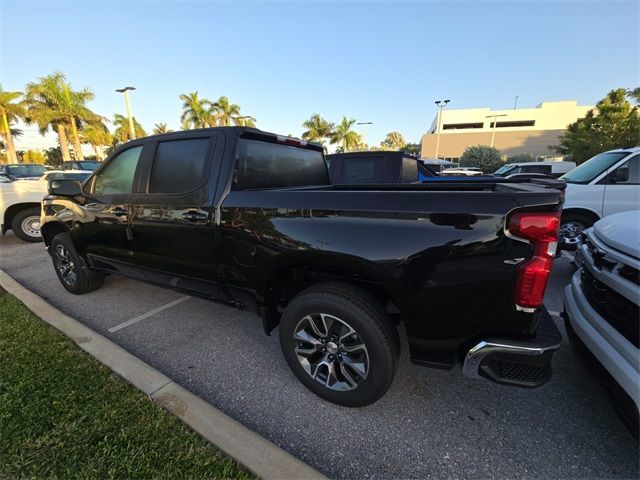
(121, 133)
(224, 112)
(161, 128)
(345, 135)
(10, 110)
(97, 135)
(245, 121)
(195, 110)
(52, 102)
(317, 129)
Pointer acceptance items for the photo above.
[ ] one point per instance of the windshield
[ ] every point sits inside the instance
(593, 167)
(88, 165)
(22, 171)
(81, 177)
(504, 169)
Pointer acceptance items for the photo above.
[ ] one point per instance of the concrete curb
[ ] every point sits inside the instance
(255, 453)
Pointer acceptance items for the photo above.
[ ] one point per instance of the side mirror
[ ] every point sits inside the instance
(65, 188)
(620, 175)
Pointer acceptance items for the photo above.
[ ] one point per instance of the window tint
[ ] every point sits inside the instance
(179, 166)
(271, 165)
(537, 169)
(117, 176)
(409, 170)
(359, 170)
(633, 164)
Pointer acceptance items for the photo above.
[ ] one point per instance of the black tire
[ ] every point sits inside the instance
(372, 329)
(23, 225)
(569, 236)
(72, 270)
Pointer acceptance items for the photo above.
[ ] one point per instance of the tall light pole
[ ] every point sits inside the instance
(515, 103)
(495, 121)
(364, 130)
(132, 130)
(441, 104)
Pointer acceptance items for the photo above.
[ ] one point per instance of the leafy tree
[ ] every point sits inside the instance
(195, 111)
(53, 102)
(521, 158)
(393, 141)
(412, 148)
(33, 156)
(54, 157)
(317, 129)
(121, 133)
(224, 113)
(634, 94)
(97, 135)
(614, 123)
(245, 121)
(344, 135)
(161, 128)
(11, 109)
(487, 158)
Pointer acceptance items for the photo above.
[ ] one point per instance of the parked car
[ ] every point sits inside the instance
(605, 184)
(553, 169)
(20, 207)
(602, 309)
(79, 175)
(462, 171)
(81, 165)
(375, 167)
(17, 171)
(250, 219)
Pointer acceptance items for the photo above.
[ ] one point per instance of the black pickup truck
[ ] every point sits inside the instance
(249, 218)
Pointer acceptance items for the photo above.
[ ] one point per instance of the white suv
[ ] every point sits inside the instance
(602, 305)
(605, 184)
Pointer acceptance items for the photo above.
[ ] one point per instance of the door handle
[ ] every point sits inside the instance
(195, 216)
(119, 212)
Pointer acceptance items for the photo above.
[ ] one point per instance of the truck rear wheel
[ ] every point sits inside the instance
(340, 343)
(73, 272)
(26, 225)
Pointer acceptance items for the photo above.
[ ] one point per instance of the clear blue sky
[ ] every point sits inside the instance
(384, 62)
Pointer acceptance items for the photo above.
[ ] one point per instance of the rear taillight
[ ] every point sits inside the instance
(541, 230)
(291, 141)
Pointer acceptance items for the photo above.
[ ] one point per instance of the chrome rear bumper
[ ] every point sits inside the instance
(524, 363)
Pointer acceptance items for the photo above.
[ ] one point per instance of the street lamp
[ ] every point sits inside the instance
(441, 104)
(364, 130)
(132, 130)
(495, 121)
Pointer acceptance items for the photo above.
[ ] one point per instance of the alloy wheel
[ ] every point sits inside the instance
(570, 232)
(65, 265)
(331, 351)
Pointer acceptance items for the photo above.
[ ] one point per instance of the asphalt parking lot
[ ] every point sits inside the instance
(431, 424)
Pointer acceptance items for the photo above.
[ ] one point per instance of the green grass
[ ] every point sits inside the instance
(63, 414)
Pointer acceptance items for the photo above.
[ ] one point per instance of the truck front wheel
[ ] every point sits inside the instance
(73, 272)
(340, 343)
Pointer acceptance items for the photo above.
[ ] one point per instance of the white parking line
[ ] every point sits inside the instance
(554, 313)
(570, 256)
(148, 314)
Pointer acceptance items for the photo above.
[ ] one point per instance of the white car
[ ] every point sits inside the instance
(605, 184)
(602, 305)
(554, 169)
(20, 207)
(20, 202)
(462, 171)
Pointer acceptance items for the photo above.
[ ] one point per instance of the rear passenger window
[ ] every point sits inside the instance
(116, 177)
(179, 166)
(269, 165)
